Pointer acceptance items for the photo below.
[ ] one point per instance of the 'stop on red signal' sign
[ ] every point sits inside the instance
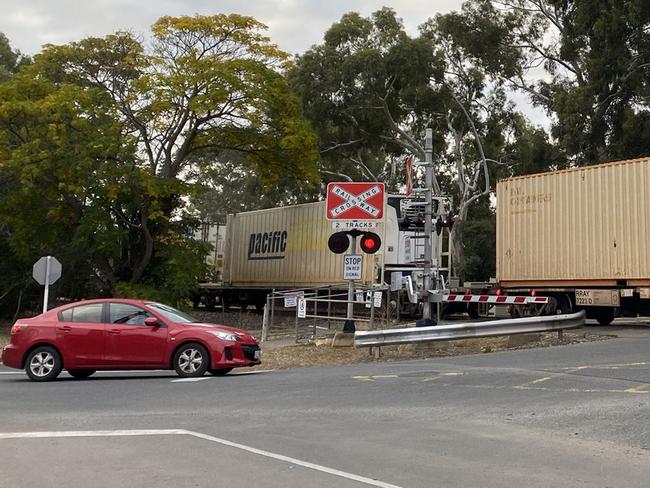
(355, 201)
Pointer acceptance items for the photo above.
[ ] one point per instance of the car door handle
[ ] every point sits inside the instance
(114, 331)
(65, 328)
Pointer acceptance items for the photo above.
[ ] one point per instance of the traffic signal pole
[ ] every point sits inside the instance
(428, 227)
(351, 289)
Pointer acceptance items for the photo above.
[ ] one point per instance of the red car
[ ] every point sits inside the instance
(92, 335)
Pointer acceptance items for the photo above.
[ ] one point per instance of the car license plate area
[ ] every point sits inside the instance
(258, 354)
(597, 298)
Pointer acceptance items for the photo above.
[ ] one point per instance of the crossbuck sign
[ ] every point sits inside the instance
(355, 201)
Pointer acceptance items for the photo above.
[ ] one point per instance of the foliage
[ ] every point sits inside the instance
(103, 140)
(596, 59)
(10, 60)
(366, 69)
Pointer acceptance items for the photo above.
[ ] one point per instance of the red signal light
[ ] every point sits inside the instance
(338, 242)
(498, 293)
(370, 243)
(533, 293)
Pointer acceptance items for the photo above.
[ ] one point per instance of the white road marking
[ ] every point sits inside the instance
(198, 435)
(305, 464)
(244, 373)
(201, 378)
(90, 433)
(190, 380)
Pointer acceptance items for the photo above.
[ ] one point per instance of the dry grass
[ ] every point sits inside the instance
(295, 356)
(4, 336)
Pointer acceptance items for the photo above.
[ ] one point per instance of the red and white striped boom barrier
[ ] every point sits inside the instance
(501, 299)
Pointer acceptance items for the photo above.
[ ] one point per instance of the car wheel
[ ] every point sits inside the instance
(43, 364)
(220, 372)
(191, 360)
(81, 374)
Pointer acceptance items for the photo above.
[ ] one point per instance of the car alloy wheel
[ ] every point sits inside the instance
(43, 364)
(191, 360)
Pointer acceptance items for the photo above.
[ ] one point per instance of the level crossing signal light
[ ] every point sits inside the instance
(339, 242)
(370, 243)
(445, 223)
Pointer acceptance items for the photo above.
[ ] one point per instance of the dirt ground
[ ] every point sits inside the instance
(304, 355)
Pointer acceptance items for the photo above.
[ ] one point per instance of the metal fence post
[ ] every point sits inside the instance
(265, 319)
(272, 307)
(315, 330)
(297, 324)
(329, 306)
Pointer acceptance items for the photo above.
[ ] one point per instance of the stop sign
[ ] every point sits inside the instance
(40, 270)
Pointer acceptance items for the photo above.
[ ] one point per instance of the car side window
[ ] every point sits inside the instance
(83, 313)
(123, 313)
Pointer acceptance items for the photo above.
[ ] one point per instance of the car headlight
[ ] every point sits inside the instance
(226, 336)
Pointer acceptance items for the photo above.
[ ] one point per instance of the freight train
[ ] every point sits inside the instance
(287, 248)
(579, 236)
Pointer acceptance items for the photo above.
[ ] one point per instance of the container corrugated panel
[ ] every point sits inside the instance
(284, 247)
(584, 225)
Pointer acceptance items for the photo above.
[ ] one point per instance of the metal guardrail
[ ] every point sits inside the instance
(468, 330)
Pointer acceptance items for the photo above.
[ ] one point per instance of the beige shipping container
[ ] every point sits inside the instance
(285, 248)
(587, 226)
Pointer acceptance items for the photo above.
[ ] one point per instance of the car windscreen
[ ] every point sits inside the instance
(171, 313)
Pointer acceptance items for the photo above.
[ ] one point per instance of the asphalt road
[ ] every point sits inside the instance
(564, 416)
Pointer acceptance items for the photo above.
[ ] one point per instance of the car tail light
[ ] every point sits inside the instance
(16, 328)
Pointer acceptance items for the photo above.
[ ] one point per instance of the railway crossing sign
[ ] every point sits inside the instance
(355, 201)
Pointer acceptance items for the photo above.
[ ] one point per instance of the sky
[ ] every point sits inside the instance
(294, 25)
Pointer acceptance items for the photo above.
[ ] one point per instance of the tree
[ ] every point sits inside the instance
(596, 59)
(371, 90)
(10, 60)
(366, 89)
(104, 137)
(208, 83)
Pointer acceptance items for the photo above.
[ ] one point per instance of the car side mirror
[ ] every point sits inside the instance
(151, 322)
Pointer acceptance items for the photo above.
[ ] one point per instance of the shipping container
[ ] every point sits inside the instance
(587, 226)
(286, 247)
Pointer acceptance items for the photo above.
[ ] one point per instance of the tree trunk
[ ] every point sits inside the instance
(456, 250)
(139, 269)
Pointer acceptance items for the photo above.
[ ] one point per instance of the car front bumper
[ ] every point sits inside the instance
(237, 354)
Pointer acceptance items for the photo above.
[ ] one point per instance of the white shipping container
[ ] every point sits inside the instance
(578, 227)
(287, 248)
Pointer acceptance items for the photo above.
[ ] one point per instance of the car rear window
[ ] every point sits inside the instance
(83, 313)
